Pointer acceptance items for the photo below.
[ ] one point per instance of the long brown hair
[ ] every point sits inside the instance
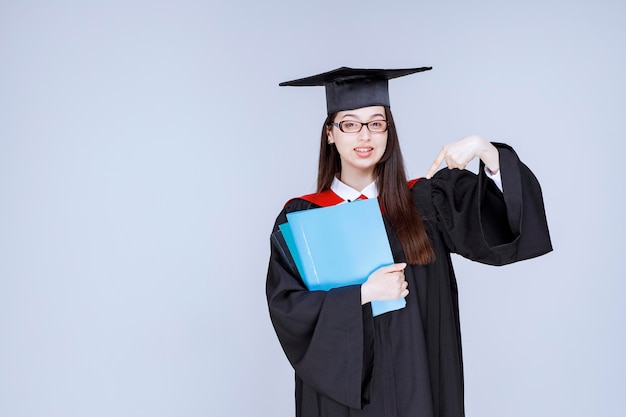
(393, 193)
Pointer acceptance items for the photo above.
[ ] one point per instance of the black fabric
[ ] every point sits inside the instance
(353, 88)
(407, 362)
(354, 94)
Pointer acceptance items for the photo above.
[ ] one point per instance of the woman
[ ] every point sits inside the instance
(406, 362)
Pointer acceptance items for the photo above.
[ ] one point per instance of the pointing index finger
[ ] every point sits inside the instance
(436, 164)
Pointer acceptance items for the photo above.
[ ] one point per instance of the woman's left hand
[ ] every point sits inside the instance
(458, 154)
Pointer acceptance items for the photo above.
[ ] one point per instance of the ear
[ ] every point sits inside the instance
(329, 134)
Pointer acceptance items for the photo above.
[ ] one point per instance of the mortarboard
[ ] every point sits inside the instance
(352, 88)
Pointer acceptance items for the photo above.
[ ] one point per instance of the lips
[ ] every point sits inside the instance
(364, 150)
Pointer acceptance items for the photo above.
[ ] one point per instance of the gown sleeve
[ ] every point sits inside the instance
(481, 223)
(326, 335)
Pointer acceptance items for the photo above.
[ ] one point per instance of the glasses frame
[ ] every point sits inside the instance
(339, 125)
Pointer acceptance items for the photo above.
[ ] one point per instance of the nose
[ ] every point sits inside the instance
(365, 133)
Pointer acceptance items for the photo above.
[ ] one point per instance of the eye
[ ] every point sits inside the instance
(349, 124)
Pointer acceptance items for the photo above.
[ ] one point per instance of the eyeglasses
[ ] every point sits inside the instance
(351, 126)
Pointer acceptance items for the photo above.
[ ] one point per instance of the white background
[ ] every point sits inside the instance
(146, 148)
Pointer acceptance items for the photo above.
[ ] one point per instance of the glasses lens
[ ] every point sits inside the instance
(350, 126)
(377, 126)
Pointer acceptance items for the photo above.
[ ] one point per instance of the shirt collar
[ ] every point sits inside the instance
(350, 194)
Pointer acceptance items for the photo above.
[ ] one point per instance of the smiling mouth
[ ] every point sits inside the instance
(364, 150)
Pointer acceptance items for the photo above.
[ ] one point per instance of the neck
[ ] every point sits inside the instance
(357, 180)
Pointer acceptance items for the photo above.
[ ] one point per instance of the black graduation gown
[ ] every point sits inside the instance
(406, 362)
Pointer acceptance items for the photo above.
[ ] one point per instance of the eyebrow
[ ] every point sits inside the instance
(356, 117)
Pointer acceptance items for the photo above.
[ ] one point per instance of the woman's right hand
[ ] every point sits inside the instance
(386, 283)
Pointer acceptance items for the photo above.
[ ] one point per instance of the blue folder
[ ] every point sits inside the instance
(340, 245)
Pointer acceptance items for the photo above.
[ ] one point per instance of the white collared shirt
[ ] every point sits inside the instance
(350, 194)
(496, 178)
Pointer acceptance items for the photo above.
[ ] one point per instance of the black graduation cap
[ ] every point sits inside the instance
(352, 88)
